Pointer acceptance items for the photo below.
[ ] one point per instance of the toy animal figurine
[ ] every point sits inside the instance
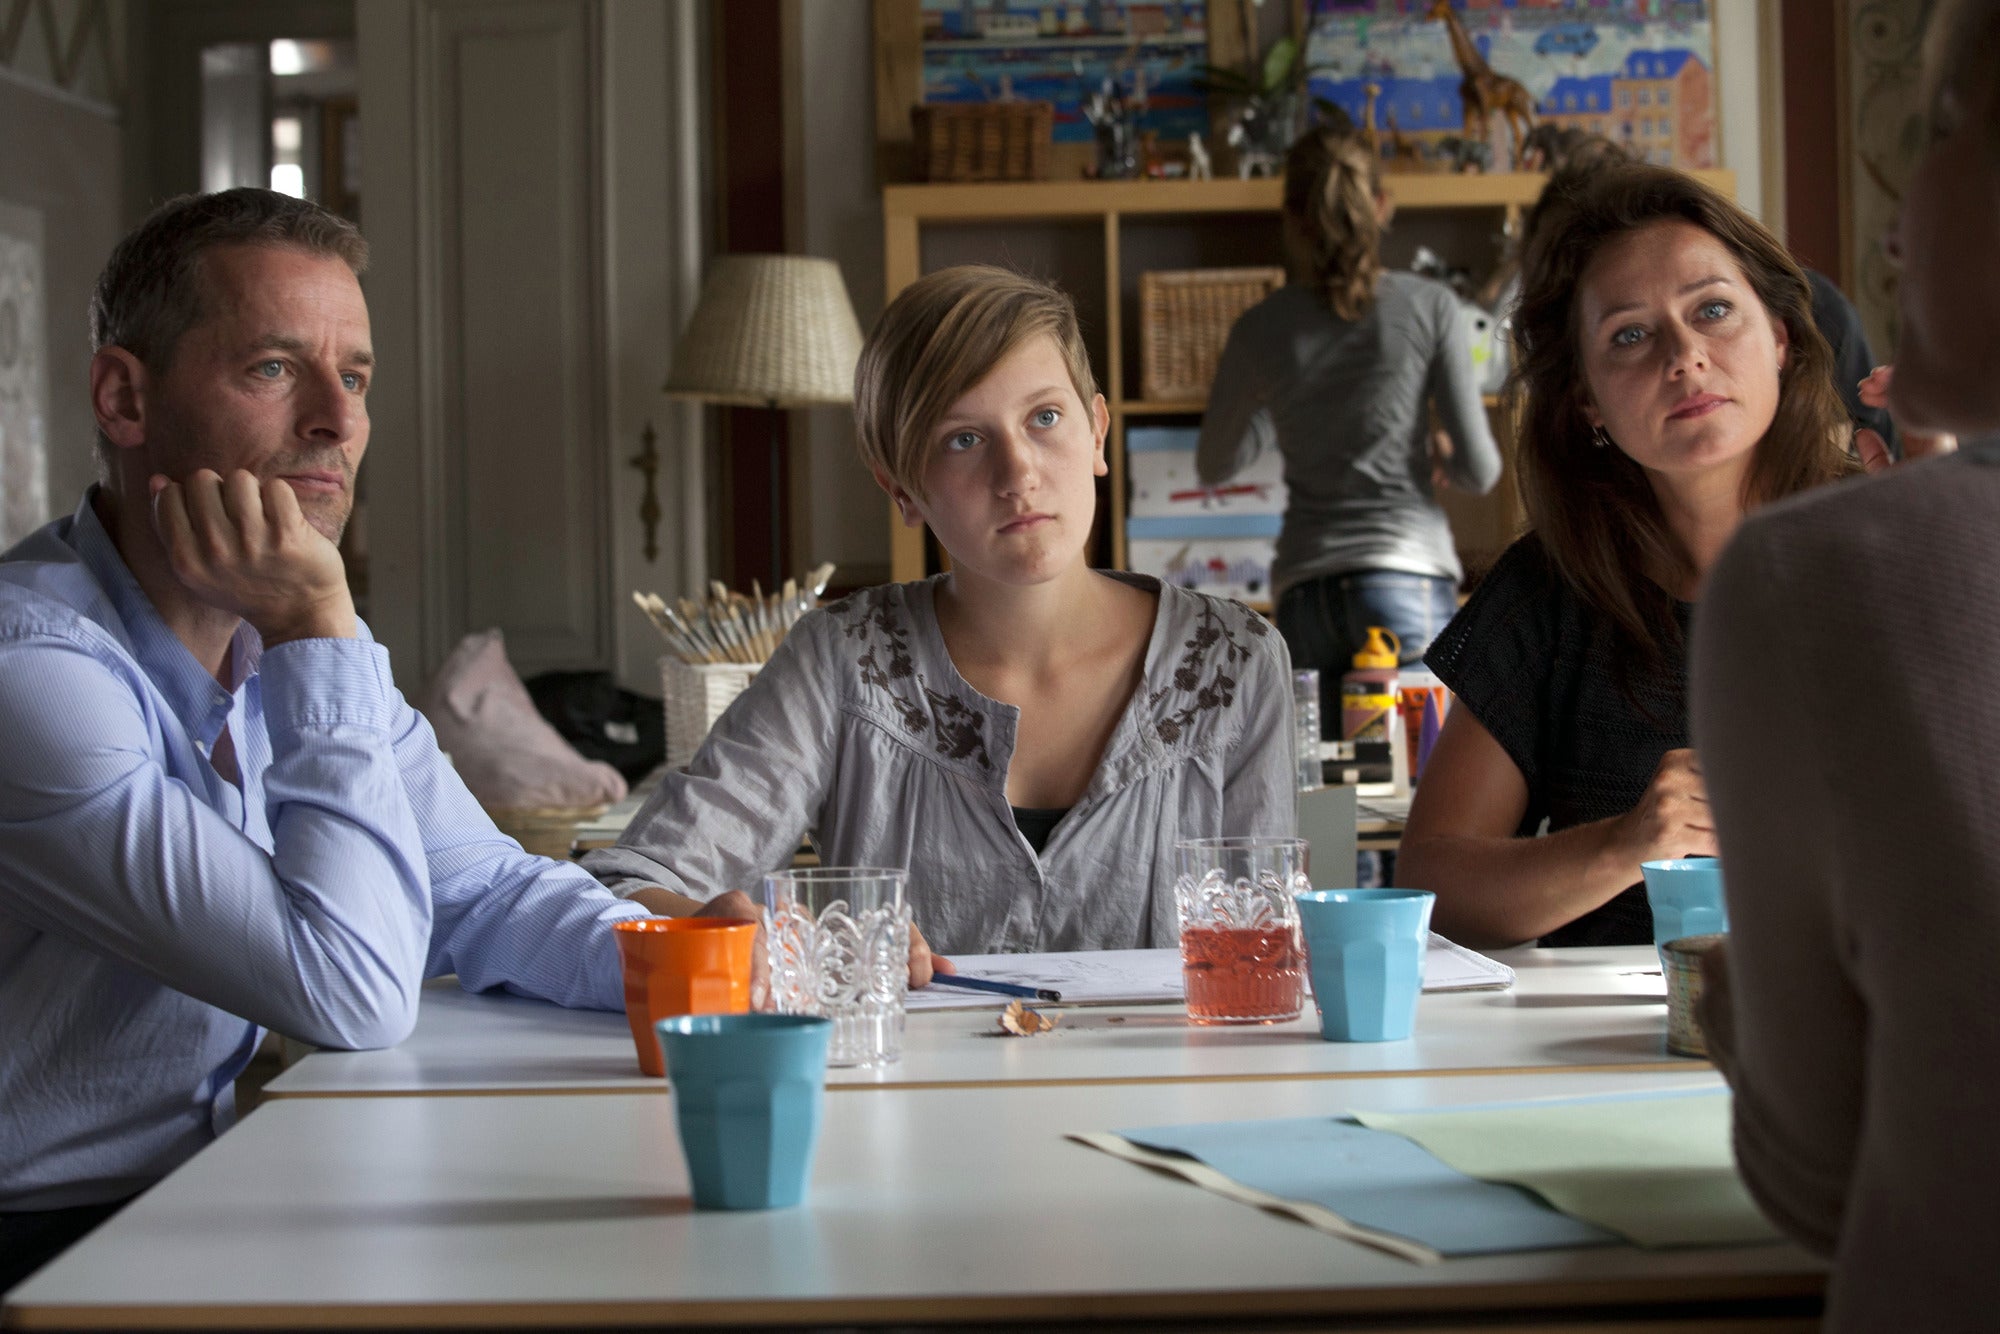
(1199, 166)
(1255, 156)
(1545, 147)
(1405, 153)
(1467, 156)
(1370, 135)
(1114, 121)
(1483, 91)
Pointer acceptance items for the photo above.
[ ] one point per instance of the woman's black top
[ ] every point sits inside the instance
(1037, 823)
(1540, 669)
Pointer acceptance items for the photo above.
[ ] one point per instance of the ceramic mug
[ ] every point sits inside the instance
(1685, 894)
(682, 965)
(747, 1090)
(1365, 954)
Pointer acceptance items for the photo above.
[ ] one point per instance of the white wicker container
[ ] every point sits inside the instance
(695, 695)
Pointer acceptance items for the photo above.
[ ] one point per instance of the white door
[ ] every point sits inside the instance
(531, 194)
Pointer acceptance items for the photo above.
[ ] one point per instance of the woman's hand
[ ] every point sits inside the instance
(738, 906)
(1874, 450)
(1441, 450)
(924, 964)
(1672, 819)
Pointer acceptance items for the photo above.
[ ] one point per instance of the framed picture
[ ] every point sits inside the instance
(1640, 72)
(983, 51)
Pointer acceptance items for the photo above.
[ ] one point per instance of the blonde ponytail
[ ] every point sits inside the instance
(1331, 185)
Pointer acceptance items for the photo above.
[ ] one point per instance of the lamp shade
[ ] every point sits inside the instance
(769, 330)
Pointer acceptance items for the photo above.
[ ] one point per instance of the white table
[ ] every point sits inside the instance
(925, 1205)
(1592, 1009)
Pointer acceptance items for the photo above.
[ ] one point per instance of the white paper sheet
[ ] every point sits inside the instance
(1146, 977)
(1087, 977)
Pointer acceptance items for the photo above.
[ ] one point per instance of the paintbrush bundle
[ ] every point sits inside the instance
(730, 626)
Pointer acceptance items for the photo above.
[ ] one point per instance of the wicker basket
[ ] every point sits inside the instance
(1184, 319)
(695, 695)
(986, 141)
(546, 831)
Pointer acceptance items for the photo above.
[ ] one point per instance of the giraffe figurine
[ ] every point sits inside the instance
(1370, 135)
(1483, 91)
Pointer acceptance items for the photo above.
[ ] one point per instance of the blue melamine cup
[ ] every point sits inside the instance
(1686, 897)
(1365, 952)
(747, 1093)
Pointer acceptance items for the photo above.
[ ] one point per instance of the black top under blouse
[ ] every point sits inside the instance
(1037, 823)
(1538, 667)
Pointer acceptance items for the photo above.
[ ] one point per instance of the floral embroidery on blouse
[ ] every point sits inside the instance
(1219, 690)
(955, 725)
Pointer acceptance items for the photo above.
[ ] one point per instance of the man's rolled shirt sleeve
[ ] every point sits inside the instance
(322, 938)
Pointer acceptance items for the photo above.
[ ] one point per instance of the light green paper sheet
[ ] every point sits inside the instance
(1655, 1169)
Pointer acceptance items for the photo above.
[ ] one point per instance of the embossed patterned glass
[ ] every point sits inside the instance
(1240, 950)
(839, 946)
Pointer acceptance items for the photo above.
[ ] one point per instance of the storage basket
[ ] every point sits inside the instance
(1184, 319)
(985, 141)
(546, 831)
(695, 694)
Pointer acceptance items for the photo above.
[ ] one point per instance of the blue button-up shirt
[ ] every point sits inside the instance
(155, 917)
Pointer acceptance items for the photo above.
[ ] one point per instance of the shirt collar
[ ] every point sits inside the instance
(198, 699)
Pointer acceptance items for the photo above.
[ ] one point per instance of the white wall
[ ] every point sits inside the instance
(836, 212)
(62, 155)
(1739, 96)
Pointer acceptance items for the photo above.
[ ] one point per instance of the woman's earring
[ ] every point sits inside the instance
(1599, 438)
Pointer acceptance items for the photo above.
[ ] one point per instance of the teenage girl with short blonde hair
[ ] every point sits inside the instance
(1026, 735)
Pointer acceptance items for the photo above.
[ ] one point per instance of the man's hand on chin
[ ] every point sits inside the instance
(246, 548)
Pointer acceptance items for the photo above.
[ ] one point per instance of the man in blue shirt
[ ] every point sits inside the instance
(217, 815)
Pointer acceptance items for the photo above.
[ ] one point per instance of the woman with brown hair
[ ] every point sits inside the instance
(1670, 380)
(1338, 369)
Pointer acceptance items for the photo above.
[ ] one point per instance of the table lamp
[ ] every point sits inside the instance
(770, 331)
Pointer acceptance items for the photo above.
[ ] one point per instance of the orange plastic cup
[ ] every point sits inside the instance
(682, 965)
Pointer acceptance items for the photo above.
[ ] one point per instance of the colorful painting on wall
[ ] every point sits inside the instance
(1640, 72)
(996, 50)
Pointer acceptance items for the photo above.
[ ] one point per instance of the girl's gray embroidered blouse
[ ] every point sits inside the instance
(861, 733)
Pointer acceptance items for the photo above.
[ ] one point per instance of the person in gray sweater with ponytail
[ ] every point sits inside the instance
(1338, 370)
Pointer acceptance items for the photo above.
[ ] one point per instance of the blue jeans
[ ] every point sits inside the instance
(1325, 623)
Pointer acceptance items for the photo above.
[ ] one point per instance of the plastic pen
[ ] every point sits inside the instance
(997, 988)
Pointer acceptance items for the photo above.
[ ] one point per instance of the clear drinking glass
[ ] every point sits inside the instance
(1240, 951)
(1305, 711)
(838, 942)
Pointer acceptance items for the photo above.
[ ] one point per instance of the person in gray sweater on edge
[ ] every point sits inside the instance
(1847, 704)
(1338, 371)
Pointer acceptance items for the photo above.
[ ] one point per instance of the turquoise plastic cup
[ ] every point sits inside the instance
(747, 1094)
(1686, 897)
(1365, 953)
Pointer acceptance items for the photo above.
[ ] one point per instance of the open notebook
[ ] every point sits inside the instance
(1140, 977)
